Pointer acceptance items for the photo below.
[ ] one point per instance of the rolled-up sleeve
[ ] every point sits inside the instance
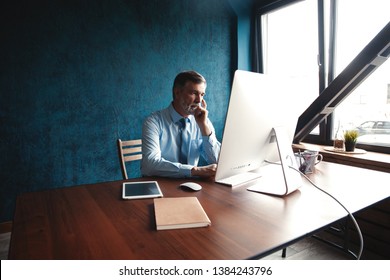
(211, 148)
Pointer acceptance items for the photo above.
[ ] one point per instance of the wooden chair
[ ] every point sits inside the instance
(129, 150)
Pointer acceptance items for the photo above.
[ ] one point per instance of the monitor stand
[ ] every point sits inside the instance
(279, 178)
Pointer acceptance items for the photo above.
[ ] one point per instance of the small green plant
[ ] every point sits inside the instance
(351, 135)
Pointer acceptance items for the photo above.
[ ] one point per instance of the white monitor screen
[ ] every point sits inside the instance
(258, 103)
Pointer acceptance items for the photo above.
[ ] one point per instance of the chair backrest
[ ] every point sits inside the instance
(129, 150)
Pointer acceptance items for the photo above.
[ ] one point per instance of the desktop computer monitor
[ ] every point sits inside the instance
(257, 138)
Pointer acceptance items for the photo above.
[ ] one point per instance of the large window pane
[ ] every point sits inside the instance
(368, 107)
(290, 45)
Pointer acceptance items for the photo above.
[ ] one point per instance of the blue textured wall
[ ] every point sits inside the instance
(77, 75)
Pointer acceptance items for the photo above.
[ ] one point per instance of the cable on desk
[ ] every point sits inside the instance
(325, 192)
(349, 213)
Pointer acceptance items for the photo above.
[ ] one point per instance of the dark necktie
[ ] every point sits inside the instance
(183, 141)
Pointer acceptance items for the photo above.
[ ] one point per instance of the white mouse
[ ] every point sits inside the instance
(191, 186)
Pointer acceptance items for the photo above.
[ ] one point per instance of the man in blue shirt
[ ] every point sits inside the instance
(174, 139)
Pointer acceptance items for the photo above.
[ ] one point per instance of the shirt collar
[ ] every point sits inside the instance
(175, 116)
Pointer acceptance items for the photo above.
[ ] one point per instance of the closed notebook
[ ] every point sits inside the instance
(179, 212)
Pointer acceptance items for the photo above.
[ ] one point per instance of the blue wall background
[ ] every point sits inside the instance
(77, 75)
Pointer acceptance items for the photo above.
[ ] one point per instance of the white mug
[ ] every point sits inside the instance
(307, 160)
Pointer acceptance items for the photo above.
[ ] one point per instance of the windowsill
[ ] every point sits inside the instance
(369, 160)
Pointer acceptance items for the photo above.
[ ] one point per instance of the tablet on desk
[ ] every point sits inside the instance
(142, 189)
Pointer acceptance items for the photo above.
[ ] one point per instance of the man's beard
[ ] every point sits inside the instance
(190, 109)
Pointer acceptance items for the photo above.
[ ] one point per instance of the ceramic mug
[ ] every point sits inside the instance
(307, 160)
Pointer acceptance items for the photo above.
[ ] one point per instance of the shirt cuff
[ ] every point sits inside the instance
(185, 170)
(210, 138)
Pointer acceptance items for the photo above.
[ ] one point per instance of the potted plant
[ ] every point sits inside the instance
(350, 137)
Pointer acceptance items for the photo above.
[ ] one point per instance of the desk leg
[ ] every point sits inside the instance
(342, 231)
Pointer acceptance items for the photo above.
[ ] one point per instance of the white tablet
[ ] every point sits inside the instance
(141, 189)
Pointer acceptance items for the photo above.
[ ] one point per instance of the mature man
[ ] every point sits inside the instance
(175, 138)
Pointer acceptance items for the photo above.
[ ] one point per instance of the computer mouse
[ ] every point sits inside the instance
(191, 186)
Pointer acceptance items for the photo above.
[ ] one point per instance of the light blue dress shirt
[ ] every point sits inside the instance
(161, 145)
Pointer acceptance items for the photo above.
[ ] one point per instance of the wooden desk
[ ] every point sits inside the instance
(93, 222)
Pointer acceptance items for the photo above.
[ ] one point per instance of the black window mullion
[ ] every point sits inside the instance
(321, 46)
(331, 63)
(321, 139)
(332, 40)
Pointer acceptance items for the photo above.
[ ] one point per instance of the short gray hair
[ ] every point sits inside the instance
(183, 77)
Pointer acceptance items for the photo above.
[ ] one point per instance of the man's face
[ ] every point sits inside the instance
(188, 98)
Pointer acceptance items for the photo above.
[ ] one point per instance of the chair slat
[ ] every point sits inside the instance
(133, 157)
(132, 150)
(132, 142)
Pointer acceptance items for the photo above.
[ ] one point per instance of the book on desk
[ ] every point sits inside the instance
(179, 212)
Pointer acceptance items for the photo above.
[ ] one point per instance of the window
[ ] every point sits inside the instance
(355, 28)
(317, 39)
(290, 45)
